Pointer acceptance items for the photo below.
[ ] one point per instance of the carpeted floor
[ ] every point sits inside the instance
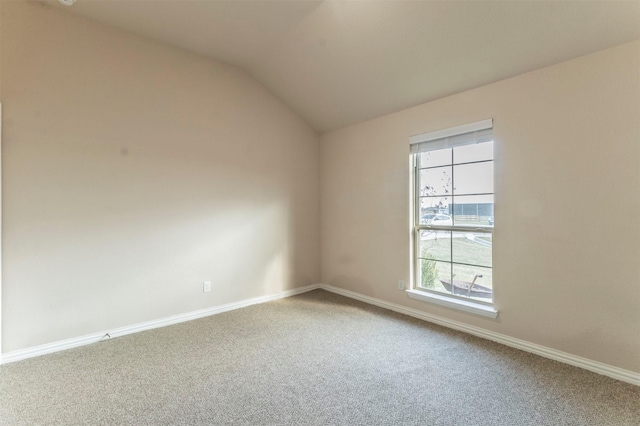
(313, 359)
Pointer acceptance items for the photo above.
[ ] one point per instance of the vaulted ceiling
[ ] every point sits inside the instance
(339, 62)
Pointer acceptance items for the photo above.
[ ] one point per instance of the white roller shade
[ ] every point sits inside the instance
(472, 133)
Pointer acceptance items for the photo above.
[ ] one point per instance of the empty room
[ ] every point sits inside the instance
(322, 212)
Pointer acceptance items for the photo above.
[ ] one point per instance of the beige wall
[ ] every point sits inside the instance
(133, 172)
(567, 233)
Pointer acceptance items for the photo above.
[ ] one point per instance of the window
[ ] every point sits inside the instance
(453, 215)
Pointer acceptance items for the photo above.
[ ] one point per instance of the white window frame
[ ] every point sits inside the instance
(481, 131)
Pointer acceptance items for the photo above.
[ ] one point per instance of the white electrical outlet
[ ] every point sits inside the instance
(400, 284)
(206, 286)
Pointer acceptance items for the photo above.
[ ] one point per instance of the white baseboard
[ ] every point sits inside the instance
(162, 322)
(577, 361)
(567, 358)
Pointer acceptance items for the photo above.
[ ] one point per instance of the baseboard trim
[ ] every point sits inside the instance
(148, 325)
(567, 358)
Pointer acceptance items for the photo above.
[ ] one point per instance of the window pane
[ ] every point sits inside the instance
(474, 178)
(473, 210)
(432, 273)
(468, 153)
(481, 278)
(472, 247)
(439, 157)
(435, 245)
(435, 181)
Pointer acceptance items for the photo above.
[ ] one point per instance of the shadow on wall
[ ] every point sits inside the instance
(355, 284)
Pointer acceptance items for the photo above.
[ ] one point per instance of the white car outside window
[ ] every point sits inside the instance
(437, 220)
(442, 220)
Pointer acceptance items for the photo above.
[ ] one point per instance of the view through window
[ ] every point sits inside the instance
(453, 229)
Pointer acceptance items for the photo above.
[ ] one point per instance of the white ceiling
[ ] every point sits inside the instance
(339, 62)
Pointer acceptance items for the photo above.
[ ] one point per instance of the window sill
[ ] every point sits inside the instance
(450, 302)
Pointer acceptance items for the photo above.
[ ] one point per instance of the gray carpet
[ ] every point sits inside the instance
(313, 359)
